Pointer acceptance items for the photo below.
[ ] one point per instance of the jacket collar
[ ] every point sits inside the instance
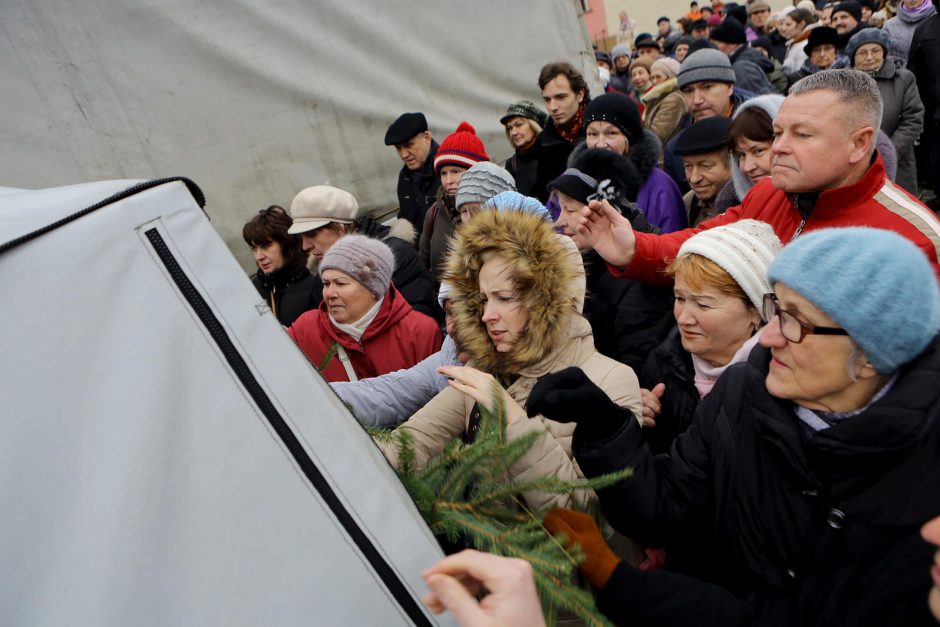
(394, 308)
(836, 200)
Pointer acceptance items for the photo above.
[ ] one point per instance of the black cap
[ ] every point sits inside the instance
(644, 39)
(852, 8)
(730, 31)
(600, 55)
(405, 127)
(620, 111)
(822, 35)
(708, 135)
(699, 44)
(699, 23)
(762, 42)
(662, 19)
(575, 184)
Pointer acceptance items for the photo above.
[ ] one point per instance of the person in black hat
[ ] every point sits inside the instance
(698, 29)
(847, 20)
(646, 46)
(751, 68)
(822, 52)
(417, 182)
(602, 59)
(707, 162)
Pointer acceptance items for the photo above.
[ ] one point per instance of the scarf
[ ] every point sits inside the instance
(356, 329)
(813, 421)
(919, 11)
(707, 375)
(570, 131)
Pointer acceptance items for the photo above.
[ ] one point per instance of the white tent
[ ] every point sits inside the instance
(167, 455)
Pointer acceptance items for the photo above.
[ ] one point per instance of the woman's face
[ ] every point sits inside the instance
(601, 134)
(869, 57)
(713, 325)
(520, 131)
(346, 299)
(754, 158)
(787, 28)
(657, 76)
(640, 76)
(681, 51)
(504, 315)
(468, 210)
(269, 257)
(450, 178)
(570, 209)
(814, 373)
(931, 533)
(914, 4)
(823, 56)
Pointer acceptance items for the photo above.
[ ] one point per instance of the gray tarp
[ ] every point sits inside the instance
(165, 462)
(257, 100)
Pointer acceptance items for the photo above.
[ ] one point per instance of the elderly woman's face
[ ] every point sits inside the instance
(504, 315)
(869, 57)
(346, 299)
(570, 210)
(601, 134)
(814, 373)
(823, 56)
(712, 325)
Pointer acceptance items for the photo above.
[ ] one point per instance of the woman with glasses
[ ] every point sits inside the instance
(800, 488)
(283, 279)
(720, 280)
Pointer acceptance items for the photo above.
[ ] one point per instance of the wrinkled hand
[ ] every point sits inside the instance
(607, 231)
(456, 580)
(580, 529)
(652, 405)
(569, 396)
(483, 388)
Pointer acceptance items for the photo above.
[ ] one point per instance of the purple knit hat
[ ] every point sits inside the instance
(367, 260)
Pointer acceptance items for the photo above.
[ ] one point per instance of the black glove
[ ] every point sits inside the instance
(568, 396)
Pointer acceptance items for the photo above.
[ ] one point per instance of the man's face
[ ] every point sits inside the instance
(708, 98)
(843, 22)
(622, 63)
(815, 143)
(725, 47)
(707, 173)
(560, 100)
(823, 56)
(664, 27)
(648, 51)
(700, 33)
(414, 152)
(759, 18)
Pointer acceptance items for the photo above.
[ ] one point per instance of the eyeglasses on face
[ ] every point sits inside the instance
(791, 328)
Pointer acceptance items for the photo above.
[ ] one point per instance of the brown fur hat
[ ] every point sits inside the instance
(546, 277)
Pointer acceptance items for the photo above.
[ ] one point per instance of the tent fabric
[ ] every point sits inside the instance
(258, 100)
(167, 455)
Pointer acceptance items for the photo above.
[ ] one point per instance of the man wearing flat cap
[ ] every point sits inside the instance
(417, 182)
(707, 162)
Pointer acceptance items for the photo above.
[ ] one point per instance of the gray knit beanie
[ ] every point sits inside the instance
(367, 260)
(867, 36)
(620, 50)
(706, 65)
(483, 181)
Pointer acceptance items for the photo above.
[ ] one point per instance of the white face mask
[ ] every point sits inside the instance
(604, 74)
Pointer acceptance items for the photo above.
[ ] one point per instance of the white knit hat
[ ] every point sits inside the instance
(743, 249)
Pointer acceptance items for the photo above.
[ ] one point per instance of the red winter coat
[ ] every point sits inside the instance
(399, 337)
(873, 201)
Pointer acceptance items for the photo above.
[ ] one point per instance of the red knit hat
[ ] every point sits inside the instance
(461, 148)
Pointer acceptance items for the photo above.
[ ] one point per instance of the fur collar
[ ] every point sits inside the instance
(547, 278)
(661, 91)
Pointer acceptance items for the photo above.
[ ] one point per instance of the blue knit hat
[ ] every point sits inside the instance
(875, 284)
(514, 201)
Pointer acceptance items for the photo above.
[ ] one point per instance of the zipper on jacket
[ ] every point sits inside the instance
(250, 383)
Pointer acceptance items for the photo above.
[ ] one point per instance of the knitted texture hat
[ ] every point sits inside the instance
(514, 201)
(744, 249)
(620, 50)
(730, 31)
(706, 65)
(525, 109)
(620, 111)
(667, 65)
(867, 36)
(820, 36)
(875, 284)
(852, 8)
(461, 148)
(483, 181)
(365, 259)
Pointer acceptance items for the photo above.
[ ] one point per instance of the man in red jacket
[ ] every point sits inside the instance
(825, 173)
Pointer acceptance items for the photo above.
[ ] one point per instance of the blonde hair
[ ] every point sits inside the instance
(536, 128)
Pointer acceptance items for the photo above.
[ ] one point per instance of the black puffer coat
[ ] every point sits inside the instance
(523, 166)
(289, 292)
(552, 152)
(789, 531)
(670, 364)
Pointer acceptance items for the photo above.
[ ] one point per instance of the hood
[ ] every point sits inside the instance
(548, 275)
(604, 164)
(770, 104)
(660, 91)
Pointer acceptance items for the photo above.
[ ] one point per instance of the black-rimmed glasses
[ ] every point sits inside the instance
(791, 328)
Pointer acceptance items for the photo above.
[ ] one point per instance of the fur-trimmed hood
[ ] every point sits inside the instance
(548, 278)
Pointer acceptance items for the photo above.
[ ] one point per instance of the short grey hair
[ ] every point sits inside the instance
(854, 88)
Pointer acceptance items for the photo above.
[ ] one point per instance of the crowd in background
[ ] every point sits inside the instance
(722, 272)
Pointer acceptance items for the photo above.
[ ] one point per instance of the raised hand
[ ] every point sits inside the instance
(607, 231)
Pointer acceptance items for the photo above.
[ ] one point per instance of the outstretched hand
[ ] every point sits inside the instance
(607, 231)
(570, 396)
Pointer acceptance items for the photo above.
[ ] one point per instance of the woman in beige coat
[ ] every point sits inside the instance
(665, 104)
(516, 298)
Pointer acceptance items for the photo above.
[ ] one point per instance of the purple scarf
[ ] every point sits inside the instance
(926, 6)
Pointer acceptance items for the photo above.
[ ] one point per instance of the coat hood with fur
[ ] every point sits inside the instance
(547, 280)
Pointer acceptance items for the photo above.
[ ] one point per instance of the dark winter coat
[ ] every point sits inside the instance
(289, 292)
(752, 71)
(808, 68)
(621, 82)
(900, 31)
(787, 530)
(552, 152)
(628, 318)
(523, 166)
(417, 191)
(902, 119)
(924, 62)
(410, 276)
(439, 224)
(778, 45)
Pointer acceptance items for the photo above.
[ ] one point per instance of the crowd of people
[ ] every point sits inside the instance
(719, 272)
